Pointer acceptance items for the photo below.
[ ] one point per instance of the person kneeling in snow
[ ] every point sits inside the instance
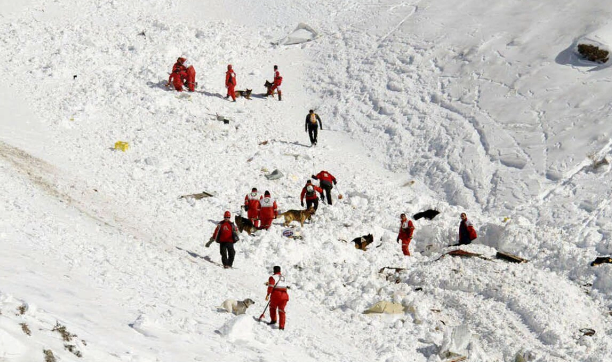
(467, 233)
(182, 74)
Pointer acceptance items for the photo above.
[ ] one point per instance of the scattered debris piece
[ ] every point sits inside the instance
(198, 196)
(122, 146)
(385, 307)
(587, 331)
(391, 267)
(601, 260)
(25, 329)
(223, 119)
(49, 357)
(274, 175)
(428, 214)
(22, 309)
(463, 253)
(509, 257)
(289, 233)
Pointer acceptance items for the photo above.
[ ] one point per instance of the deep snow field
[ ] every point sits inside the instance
(477, 107)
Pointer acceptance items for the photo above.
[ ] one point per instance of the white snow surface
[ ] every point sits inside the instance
(475, 106)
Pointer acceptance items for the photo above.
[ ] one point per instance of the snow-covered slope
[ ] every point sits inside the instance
(479, 107)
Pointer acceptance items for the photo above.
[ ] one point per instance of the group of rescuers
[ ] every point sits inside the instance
(183, 75)
(262, 210)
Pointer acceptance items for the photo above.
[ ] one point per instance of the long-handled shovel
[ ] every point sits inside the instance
(263, 314)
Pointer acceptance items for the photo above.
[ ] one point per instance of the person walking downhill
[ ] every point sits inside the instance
(226, 234)
(278, 297)
(230, 83)
(467, 233)
(325, 182)
(405, 234)
(268, 210)
(313, 123)
(310, 191)
(252, 205)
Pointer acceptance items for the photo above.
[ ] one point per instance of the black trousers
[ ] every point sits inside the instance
(312, 133)
(227, 253)
(314, 203)
(326, 186)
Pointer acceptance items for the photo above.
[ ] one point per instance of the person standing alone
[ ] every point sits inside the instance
(226, 234)
(312, 125)
(230, 83)
(405, 234)
(278, 297)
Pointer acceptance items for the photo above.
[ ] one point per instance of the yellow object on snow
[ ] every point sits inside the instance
(123, 146)
(385, 307)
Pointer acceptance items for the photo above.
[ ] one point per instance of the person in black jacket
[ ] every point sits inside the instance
(313, 123)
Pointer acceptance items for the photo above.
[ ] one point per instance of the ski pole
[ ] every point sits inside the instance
(266, 308)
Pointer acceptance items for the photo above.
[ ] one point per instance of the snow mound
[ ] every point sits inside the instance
(9, 346)
(600, 39)
(239, 328)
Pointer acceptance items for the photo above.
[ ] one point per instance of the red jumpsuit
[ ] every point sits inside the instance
(230, 82)
(278, 80)
(268, 211)
(405, 235)
(251, 201)
(179, 74)
(277, 290)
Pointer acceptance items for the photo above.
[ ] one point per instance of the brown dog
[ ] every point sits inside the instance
(268, 86)
(362, 242)
(246, 94)
(244, 224)
(297, 215)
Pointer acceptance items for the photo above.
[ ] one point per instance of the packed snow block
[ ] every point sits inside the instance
(274, 175)
(601, 260)
(456, 342)
(385, 307)
(10, 347)
(509, 257)
(302, 34)
(238, 329)
(595, 46)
